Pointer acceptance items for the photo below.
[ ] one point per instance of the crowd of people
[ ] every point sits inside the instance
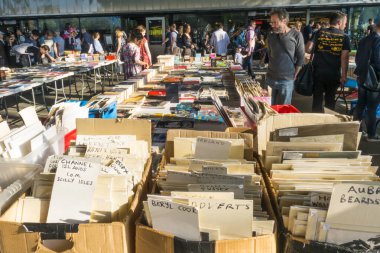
(284, 49)
(281, 48)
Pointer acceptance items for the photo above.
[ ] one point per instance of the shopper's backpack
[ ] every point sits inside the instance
(372, 83)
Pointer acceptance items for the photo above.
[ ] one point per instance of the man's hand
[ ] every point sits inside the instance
(297, 71)
(343, 81)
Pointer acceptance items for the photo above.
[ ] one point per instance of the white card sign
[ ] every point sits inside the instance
(320, 199)
(355, 205)
(52, 163)
(177, 219)
(232, 217)
(105, 141)
(207, 148)
(238, 190)
(73, 190)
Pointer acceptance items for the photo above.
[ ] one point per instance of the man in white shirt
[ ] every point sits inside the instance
(220, 40)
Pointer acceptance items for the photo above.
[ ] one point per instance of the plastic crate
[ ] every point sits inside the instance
(70, 136)
(110, 112)
(285, 109)
(351, 83)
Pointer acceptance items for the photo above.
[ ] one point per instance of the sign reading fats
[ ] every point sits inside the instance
(207, 148)
(214, 213)
(177, 219)
(73, 176)
(355, 204)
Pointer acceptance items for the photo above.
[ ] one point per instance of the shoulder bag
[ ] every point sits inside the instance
(372, 82)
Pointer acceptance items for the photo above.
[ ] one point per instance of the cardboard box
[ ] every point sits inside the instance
(268, 125)
(299, 245)
(248, 140)
(112, 237)
(141, 128)
(149, 240)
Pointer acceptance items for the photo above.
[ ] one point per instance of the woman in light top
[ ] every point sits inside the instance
(51, 44)
(98, 48)
(131, 55)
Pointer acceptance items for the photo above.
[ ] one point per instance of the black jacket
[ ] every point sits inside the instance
(366, 45)
(3, 54)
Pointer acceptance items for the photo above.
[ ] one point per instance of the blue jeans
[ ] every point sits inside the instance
(282, 91)
(367, 100)
(247, 63)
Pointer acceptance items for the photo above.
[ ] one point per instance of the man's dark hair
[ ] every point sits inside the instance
(370, 20)
(252, 20)
(36, 33)
(218, 25)
(336, 17)
(311, 22)
(281, 13)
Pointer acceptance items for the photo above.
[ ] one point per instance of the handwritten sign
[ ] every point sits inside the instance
(177, 219)
(196, 164)
(218, 170)
(181, 177)
(52, 163)
(215, 213)
(105, 141)
(73, 190)
(106, 154)
(204, 195)
(356, 205)
(238, 190)
(321, 200)
(220, 179)
(207, 148)
(117, 167)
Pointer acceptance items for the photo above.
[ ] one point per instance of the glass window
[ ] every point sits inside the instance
(57, 25)
(359, 17)
(103, 25)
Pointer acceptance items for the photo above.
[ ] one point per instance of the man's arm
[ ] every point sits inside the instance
(173, 41)
(344, 65)
(376, 54)
(309, 47)
(299, 55)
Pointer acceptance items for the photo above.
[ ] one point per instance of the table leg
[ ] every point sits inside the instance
(63, 89)
(4, 104)
(43, 97)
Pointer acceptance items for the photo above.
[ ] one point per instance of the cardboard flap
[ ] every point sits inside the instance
(141, 128)
(91, 238)
(50, 231)
(149, 240)
(169, 147)
(265, 127)
(181, 245)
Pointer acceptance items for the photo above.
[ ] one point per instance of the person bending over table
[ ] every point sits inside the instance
(45, 57)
